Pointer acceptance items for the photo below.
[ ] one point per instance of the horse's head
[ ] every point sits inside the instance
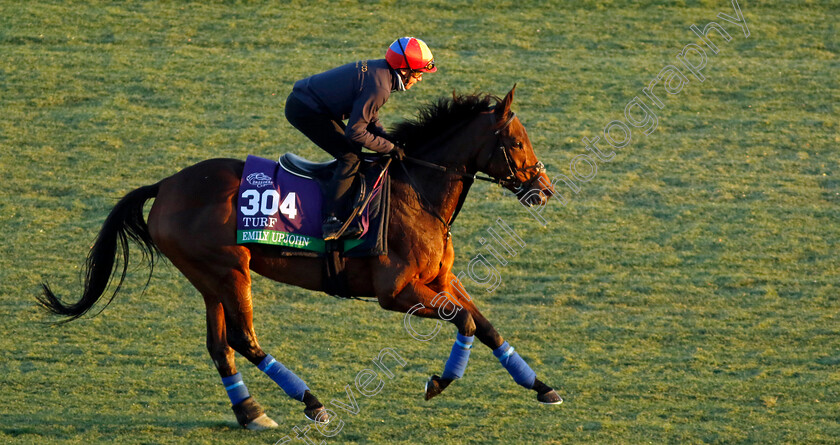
(511, 159)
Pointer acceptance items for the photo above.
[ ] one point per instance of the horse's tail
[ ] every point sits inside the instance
(123, 223)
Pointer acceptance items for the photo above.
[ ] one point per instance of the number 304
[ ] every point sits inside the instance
(268, 202)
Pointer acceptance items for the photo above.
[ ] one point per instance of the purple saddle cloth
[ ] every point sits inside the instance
(281, 208)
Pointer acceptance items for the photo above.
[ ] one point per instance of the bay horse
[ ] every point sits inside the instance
(192, 222)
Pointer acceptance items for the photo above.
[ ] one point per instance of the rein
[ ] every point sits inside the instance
(453, 171)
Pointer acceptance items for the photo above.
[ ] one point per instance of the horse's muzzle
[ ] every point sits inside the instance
(535, 192)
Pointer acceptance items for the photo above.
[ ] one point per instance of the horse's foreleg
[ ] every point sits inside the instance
(508, 357)
(438, 300)
(421, 300)
(471, 323)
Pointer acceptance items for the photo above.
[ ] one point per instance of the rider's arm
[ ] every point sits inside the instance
(377, 129)
(366, 112)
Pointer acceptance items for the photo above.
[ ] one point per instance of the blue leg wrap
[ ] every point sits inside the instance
(236, 389)
(518, 369)
(458, 358)
(287, 380)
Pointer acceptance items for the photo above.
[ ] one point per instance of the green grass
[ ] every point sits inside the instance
(687, 294)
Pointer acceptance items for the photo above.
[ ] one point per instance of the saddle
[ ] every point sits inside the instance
(296, 165)
(280, 204)
(322, 172)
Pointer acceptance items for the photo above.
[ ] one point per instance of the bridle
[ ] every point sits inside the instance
(508, 181)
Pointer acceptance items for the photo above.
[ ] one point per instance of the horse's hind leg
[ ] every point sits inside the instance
(233, 288)
(248, 412)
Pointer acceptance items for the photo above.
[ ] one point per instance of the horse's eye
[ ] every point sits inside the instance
(517, 145)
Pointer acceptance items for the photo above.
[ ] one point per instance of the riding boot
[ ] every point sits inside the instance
(332, 226)
(336, 197)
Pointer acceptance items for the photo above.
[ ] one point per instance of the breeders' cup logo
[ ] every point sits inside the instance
(259, 179)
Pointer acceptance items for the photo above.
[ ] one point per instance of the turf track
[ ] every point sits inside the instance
(687, 294)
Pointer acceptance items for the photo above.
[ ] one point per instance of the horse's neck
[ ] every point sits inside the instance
(428, 200)
(440, 190)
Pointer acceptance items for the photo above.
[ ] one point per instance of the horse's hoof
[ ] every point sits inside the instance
(549, 398)
(435, 386)
(248, 411)
(262, 422)
(317, 415)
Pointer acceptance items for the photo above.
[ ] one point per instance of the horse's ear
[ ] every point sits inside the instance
(454, 96)
(503, 109)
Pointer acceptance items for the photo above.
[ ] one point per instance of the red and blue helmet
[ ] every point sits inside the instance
(411, 53)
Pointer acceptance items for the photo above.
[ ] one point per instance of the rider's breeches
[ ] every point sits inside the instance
(328, 133)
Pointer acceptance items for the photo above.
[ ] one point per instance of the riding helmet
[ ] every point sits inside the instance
(411, 53)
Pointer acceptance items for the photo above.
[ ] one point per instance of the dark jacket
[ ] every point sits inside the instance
(354, 91)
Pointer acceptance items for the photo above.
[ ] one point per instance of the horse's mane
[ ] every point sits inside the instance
(436, 118)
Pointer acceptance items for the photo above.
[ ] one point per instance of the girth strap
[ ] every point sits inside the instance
(335, 274)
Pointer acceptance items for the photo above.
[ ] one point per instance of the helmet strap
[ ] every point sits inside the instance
(404, 77)
(407, 65)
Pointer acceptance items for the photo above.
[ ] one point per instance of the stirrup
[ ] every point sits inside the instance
(332, 230)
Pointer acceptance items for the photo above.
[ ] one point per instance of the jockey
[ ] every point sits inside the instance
(319, 104)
